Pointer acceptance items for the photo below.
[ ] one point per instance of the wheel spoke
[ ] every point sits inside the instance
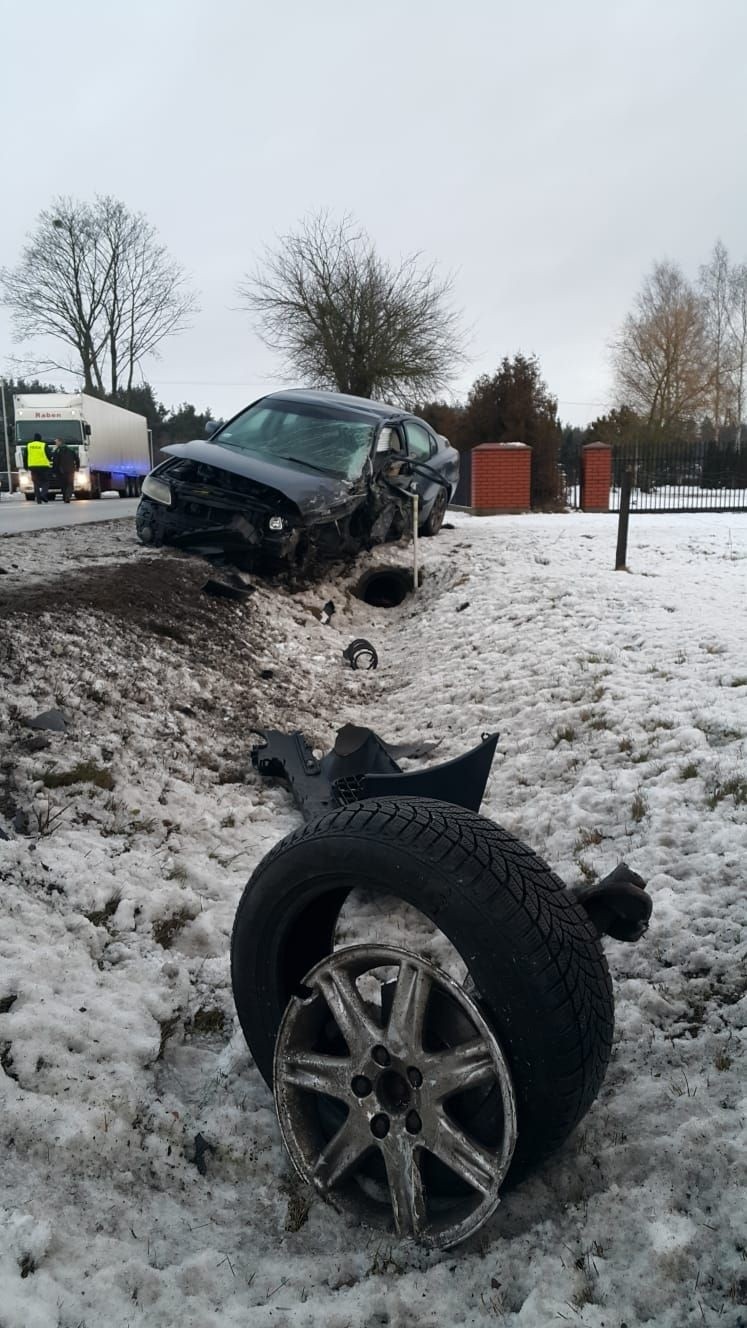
(348, 1011)
(342, 1152)
(320, 1073)
(463, 1155)
(402, 1164)
(405, 1028)
(457, 1069)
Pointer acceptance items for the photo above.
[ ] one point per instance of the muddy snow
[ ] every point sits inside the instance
(143, 1176)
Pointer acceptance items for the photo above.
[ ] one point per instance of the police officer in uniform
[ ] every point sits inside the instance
(39, 461)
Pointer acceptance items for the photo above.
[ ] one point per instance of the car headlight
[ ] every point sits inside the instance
(276, 523)
(158, 490)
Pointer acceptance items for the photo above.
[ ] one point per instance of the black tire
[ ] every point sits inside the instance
(436, 514)
(535, 959)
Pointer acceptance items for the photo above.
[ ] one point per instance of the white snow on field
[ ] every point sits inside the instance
(621, 699)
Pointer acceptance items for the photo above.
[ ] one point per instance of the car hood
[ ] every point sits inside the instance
(310, 491)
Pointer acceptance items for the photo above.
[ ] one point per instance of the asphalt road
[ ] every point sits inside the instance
(17, 518)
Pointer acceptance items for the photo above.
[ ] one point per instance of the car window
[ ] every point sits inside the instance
(419, 443)
(308, 435)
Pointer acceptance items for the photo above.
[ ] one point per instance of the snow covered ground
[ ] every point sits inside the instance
(622, 705)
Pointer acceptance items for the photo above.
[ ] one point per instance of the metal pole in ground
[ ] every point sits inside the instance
(415, 570)
(622, 524)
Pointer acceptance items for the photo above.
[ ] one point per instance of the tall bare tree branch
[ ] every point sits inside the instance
(662, 355)
(94, 276)
(343, 317)
(717, 291)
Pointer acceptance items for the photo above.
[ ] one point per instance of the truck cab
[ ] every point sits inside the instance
(73, 434)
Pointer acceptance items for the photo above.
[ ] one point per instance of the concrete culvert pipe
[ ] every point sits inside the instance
(384, 587)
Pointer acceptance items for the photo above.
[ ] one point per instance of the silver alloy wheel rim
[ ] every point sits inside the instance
(388, 1159)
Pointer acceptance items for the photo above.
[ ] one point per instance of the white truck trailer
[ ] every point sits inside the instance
(111, 444)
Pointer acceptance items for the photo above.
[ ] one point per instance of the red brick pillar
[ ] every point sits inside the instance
(501, 478)
(596, 477)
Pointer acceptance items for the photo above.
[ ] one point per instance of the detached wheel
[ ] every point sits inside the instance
(436, 515)
(375, 1081)
(536, 968)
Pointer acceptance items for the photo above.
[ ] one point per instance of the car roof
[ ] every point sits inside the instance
(378, 409)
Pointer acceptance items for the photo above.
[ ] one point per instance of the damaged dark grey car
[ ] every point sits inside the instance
(301, 474)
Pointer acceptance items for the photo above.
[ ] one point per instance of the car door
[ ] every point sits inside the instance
(421, 449)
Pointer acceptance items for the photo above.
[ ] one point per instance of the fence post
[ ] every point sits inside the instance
(596, 476)
(622, 524)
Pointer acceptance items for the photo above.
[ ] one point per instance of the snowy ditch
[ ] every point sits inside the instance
(144, 1180)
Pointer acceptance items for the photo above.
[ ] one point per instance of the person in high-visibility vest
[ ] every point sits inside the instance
(39, 461)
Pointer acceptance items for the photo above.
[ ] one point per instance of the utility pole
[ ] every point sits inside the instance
(5, 436)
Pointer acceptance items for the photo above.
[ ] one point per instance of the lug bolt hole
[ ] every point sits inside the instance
(380, 1126)
(361, 1086)
(415, 1077)
(380, 1055)
(413, 1123)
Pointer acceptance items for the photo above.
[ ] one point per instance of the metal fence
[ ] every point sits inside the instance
(682, 477)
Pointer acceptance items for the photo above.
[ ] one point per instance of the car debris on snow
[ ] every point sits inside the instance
(52, 720)
(360, 654)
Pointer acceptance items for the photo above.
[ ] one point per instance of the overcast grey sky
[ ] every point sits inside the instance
(545, 152)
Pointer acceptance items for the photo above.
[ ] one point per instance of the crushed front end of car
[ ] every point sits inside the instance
(191, 502)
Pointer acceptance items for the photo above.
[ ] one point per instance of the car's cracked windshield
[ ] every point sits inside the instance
(313, 437)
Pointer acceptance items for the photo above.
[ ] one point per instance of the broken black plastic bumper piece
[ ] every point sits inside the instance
(361, 766)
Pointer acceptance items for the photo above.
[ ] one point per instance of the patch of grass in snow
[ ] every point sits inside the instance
(300, 1199)
(721, 737)
(586, 838)
(168, 1027)
(384, 1263)
(166, 930)
(735, 787)
(738, 682)
(689, 771)
(206, 1020)
(586, 1295)
(99, 917)
(600, 723)
(566, 734)
(86, 772)
(626, 744)
(594, 721)
(177, 873)
(586, 870)
(651, 725)
(722, 1060)
(638, 807)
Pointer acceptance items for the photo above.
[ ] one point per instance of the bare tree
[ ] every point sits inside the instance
(343, 317)
(738, 332)
(717, 291)
(94, 277)
(662, 356)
